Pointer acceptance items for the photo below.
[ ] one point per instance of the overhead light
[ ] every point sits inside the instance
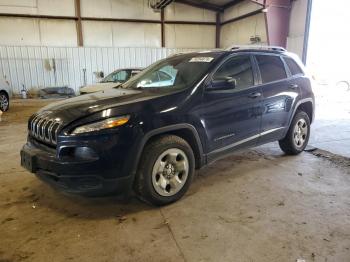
(264, 10)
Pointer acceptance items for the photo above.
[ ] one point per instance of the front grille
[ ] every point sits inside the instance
(44, 128)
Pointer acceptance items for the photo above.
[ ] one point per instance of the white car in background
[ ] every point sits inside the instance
(115, 78)
(158, 79)
(4, 95)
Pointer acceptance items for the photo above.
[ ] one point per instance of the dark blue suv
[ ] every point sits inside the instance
(181, 113)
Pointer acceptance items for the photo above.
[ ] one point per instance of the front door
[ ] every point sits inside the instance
(231, 110)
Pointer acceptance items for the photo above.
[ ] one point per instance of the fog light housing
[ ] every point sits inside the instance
(78, 153)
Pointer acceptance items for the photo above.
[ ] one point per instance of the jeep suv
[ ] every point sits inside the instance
(149, 135)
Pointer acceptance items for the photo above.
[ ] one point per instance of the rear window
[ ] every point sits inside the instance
(293, 66)
(271, 68)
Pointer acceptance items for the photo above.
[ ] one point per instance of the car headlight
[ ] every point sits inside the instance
(100, 125)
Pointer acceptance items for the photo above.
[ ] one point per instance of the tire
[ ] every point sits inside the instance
(165, 171)
(297, 136)
(4, 101)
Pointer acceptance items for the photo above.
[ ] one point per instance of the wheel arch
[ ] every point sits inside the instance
(306, 105)
(308, 108)
(6, 93)
(185, 131)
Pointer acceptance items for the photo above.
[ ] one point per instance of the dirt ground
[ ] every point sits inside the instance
(257, 205)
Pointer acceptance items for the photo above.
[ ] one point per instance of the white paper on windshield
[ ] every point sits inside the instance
(201, 59)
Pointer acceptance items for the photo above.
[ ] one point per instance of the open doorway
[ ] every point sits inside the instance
(328, 61)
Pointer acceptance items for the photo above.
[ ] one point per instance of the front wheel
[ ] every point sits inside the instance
(166, 170)
(297, 136)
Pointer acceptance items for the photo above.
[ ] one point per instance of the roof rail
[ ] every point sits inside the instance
(258, 47)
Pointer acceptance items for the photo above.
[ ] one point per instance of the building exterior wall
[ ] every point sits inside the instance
(121, 34)
(176, 11)
(194, 36)
(240, 32)
(59, 32)
(240, 9)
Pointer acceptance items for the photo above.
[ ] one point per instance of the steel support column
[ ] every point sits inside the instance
(80, 39)
(217, 30)
(277, 17)
(162, 27)
(307, 30)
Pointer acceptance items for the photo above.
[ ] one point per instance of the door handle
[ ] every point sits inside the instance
(254, 95)
(293, 86)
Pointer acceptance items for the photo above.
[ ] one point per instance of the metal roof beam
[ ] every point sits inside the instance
(200, 4)
(232, 3)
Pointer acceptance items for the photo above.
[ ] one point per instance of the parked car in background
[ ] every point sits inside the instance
(56, 92)
(112, 80)
(158, 79)
(4, 95)
(152, 132)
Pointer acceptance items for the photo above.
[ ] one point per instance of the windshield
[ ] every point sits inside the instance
(120, 76)
(176, 72)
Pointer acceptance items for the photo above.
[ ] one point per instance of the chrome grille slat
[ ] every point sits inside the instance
(35, 120)
(47, 130)
(38, 129)
(43, 128)
(32, 124)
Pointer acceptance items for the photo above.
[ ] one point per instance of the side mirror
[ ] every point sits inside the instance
(224, 83)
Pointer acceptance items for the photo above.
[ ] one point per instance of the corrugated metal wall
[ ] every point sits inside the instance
(27, 65)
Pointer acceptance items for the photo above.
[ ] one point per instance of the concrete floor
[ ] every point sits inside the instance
(257, 205)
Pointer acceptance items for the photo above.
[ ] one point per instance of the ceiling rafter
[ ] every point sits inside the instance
(232, 3)
(210, 6)
(201, 4)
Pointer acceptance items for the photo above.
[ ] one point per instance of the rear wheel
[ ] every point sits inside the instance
(297, 136)
(4, 102)
(166, 170)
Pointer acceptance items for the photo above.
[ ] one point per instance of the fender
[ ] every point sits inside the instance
(164, 130)
(301, 101)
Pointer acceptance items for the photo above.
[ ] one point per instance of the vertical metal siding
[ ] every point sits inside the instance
(25, 65)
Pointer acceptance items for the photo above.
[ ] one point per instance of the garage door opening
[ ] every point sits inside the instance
(327, 60)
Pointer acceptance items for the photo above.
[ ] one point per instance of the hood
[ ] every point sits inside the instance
(98, 87)
(71, 109)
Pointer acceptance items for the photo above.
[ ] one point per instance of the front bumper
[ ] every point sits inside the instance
(91, 177)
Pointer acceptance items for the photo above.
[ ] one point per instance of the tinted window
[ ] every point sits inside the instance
(271, 68)
(239, 68)
(293, 66)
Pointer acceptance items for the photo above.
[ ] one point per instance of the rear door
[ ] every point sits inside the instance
(279, 95)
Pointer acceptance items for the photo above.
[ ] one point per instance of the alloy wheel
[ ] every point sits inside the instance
(170, 172)
(4, 103)
(300, 133)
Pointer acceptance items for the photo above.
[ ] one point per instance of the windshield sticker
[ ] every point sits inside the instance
(200, 59)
